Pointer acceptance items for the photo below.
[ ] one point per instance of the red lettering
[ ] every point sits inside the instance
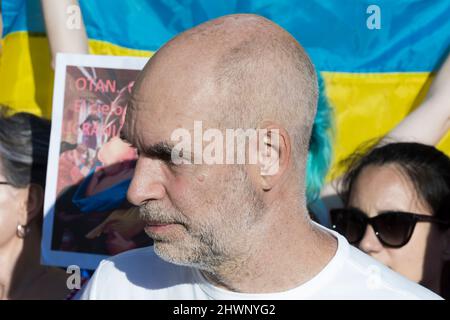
(100, 86)
(78, 104)
(105, 108)
(110, 85)
(80, 84)
(118, 111)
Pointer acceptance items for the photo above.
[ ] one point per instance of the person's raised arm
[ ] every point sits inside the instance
(65, 28)
(429, 123)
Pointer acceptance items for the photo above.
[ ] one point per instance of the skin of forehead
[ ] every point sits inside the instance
(180, 80)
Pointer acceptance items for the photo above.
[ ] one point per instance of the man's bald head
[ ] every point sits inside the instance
(251, 70)
(266, 75)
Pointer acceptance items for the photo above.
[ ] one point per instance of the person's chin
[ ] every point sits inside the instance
(168, 251)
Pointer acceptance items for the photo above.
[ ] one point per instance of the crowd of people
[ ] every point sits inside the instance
(227, 232)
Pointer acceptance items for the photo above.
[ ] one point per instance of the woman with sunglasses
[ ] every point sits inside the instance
(427, 124)
(394, 196)
(397, 209)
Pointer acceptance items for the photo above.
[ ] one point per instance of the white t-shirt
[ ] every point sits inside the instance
(351, 274)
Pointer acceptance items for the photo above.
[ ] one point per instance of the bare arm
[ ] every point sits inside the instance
(65, 28)
(429, 123)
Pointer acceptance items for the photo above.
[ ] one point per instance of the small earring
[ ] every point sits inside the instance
(22, 231)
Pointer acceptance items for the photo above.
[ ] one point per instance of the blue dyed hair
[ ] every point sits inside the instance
(320, 146)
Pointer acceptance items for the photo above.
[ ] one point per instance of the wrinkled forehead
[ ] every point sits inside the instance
(162, 103)
(176, 87)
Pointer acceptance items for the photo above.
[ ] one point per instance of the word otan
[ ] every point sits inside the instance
(95, 85)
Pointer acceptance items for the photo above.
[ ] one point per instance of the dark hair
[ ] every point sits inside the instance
(24, 142)
(426, 167)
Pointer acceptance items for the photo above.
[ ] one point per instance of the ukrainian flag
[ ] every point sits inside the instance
(375, 57)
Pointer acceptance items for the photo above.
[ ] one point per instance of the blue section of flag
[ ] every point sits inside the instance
(22, 15)
(414, 34)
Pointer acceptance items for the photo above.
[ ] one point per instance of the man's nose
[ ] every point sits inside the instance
(370, 243)
(147, 183)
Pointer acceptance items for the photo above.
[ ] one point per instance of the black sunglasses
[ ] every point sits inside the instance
(392, 228)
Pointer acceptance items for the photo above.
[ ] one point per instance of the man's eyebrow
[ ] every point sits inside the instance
(160, 150)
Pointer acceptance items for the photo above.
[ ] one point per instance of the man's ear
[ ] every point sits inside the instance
(35, 201)
(274, 152)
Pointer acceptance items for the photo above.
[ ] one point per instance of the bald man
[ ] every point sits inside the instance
(230, 231)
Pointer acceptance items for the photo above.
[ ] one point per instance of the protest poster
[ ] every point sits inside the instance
(86, 215)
